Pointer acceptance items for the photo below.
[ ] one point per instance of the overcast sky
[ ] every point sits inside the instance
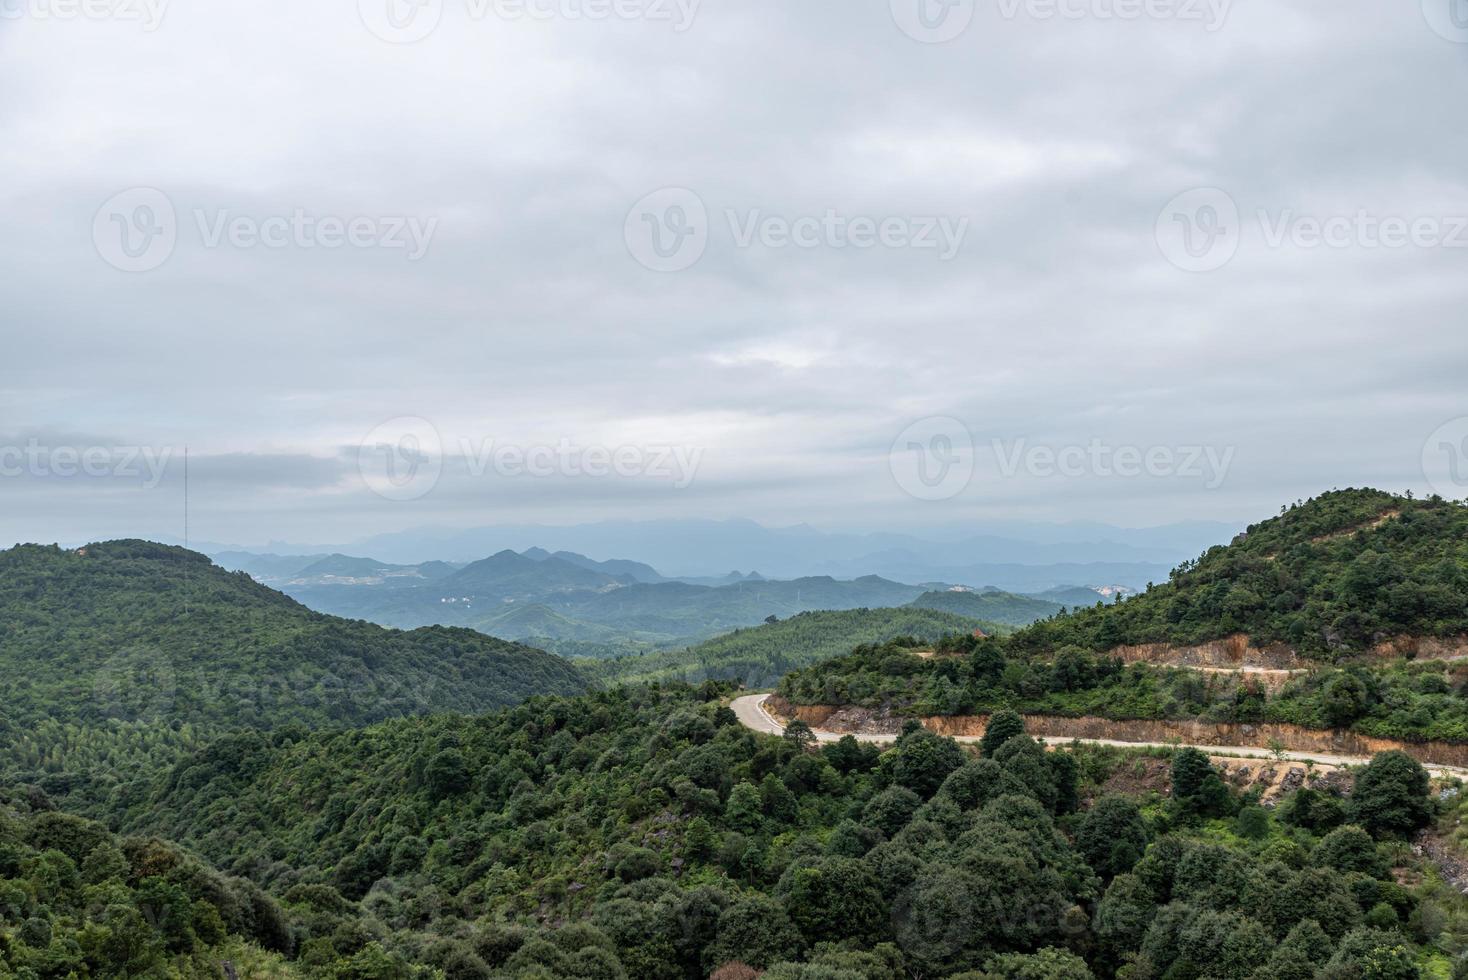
(855, 264)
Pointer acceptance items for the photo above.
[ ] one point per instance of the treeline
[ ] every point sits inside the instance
(130, 636)
(645, 834)
(1413, 701)
(761, 655)
(77, 901)
(1330, 577)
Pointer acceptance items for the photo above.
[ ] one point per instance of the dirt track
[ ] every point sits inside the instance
(751, 712)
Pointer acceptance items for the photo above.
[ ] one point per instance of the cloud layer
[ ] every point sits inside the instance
(291, 145)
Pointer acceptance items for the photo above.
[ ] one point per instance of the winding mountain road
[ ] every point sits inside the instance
(752, 713)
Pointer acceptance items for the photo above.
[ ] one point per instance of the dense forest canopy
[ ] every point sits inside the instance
(1329, 577)
(120, 654)
(761, 655)
(643, 833)
(1413, 701)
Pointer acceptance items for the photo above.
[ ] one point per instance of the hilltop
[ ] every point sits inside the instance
(130, 647)
(1339, 575)
(759, 656)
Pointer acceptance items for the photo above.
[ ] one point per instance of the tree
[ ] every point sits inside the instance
(890, 810)
(1348, 849)
(754, 930)
(745, 810)
(1252, 822)
(834, 899)
(799, 734)
(1112, 836)
(922, 760)
(1196, 785)
(1002, 726)
(699, 839)
(1390, 795)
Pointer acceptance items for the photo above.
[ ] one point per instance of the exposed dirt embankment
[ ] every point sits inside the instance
(1238, 652)
(1423, 648)
(1294, 738)
(1232, 653)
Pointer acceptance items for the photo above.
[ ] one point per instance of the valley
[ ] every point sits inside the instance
(322, 798)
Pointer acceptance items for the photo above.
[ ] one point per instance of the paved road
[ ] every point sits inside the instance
(751, 712)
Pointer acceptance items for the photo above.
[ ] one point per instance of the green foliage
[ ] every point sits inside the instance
(120, 657)
(1390, 795)
(136, 908)
(993, 607)
(759, 656)
(1003, 725)
(1341, 574)
(1328, 577)
(638, 833)
(1112, 836)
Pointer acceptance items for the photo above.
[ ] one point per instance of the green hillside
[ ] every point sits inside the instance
(77, 901)
(1330, 577)
(643, 834)
(127, 651)
(994, 607)
(761, 655)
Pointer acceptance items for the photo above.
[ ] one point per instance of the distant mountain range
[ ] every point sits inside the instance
(1017, 557)
(575, 605)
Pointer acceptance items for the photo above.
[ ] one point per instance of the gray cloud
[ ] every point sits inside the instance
(1059, 322)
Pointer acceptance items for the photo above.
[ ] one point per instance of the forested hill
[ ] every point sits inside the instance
(1330, 577)
(994, 607)
(129, 646)
(644, 834)
(760, 656)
